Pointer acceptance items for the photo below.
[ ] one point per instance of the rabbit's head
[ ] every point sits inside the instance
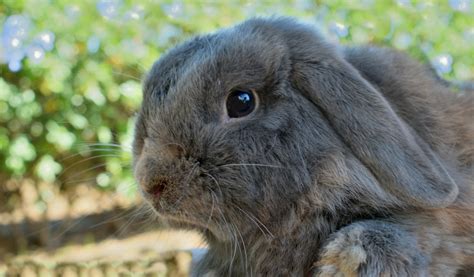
(238, 128)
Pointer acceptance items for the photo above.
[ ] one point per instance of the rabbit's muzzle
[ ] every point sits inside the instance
(151, 177)
(164, 180)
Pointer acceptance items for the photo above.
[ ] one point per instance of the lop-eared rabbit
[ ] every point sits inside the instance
(297, 157)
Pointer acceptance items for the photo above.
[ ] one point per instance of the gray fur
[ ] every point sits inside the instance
(359, 151)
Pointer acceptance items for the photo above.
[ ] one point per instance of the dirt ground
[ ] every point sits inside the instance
(88, 232)
(155, 253)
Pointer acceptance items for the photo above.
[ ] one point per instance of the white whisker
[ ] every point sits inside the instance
(87, 159)
(256, 221)
(84, 152)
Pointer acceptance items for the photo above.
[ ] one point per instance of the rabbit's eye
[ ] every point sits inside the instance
(240, 103)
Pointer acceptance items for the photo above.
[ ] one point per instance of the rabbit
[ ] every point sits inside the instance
(294, 156)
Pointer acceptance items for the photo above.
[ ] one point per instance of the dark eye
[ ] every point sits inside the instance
(240, 103)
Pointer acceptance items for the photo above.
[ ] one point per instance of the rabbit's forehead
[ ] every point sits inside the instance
(229, 55)
(197, 76)
(218, 69)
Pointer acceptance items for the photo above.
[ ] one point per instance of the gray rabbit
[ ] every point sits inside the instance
(296, 157)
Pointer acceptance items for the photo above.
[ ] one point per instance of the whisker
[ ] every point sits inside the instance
(125, 188)
(83, 152)
(232, 234)
(79, 181)
(87, 159)
(64, 231)
(113, 219)
(103, 144)
(126, 75)
(256, 221)
(244, 248)
(215, 181)
(141, 67)
(212, 208)
(252, 218)
(87, 170)
(124, 227)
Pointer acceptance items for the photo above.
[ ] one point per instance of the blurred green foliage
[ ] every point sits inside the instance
(66, 108)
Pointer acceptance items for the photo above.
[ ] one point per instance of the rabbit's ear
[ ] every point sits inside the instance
(403, 163)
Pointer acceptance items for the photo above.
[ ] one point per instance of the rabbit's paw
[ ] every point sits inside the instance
(343, 255)
(371, 248)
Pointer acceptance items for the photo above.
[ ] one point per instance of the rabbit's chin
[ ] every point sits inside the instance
(186, 222)
(183, 213)
(165, 208)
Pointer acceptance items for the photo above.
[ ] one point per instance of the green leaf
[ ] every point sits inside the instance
(47, 168)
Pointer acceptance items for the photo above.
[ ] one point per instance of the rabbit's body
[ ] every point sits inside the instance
(355, 161)
(446, 121)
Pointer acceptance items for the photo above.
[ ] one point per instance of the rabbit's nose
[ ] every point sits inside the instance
(152, 176)
(157, 186)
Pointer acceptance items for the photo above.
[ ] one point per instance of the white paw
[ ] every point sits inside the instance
(343, 256)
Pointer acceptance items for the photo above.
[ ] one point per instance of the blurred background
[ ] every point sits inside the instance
(70, 84)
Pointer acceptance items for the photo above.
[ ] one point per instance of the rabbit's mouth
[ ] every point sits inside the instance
(187, 201)
(186, 192)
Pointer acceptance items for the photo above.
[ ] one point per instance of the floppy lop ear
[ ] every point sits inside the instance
(402, 162)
